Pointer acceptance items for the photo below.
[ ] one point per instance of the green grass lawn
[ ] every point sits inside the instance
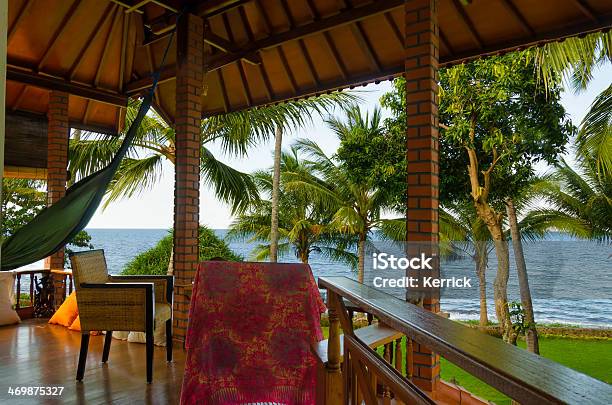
(589, 356)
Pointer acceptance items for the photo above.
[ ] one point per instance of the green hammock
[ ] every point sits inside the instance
(57, 224)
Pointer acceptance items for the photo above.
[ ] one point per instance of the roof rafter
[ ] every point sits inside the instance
(58, 32)
(467, 22)
(92, 36)
(586, 9)
(365, 45)
(511, 7)
(262, 69)
(52, 83)
(106, 46)
(17, 20)
(245, 83)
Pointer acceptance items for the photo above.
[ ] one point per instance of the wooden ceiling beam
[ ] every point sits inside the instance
(585, 9)
(334, 51)
(346, 17)
(287, 69)
(365, 45)
(19, 98)
(228, 47)
(20, 14)
(445, 43)
(251, 36)
(512, 9)
(123, 54)
(311, 68)
(603, 23)
(52, 83)
(102, 63)
(325, 24)
(58, 32)
(92, 37)
(213, 7)
(465, 19)
(226, 104)
(396, 31)
(245, 83)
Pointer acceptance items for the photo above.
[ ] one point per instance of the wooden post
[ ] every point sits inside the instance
(333, 384)
(421, 73)
(3, 28)
(189, 80)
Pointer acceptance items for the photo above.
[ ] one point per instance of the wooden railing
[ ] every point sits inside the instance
(26, 307)
(523, 376)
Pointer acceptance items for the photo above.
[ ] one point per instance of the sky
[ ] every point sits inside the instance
(153, 208)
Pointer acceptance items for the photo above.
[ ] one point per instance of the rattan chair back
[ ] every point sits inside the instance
(89, 267)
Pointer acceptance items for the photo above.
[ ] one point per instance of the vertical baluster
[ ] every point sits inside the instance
(386, 391)
(334, 382)
(71, 284)
(398, 361)
(409, 358)
(18, 304)
(348, 376)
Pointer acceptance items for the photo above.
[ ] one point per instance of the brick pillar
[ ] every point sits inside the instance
(421, 73)
(189, 81)
(58, 133)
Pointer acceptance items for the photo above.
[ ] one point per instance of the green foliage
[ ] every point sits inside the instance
(578, 200)
(576, 59)
(80, 240)
(22, 200)
(156, 259)
(517, 316)
(372, 153)
(516, 119)
(495, 107)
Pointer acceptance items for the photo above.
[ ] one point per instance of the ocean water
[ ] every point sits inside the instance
(570, 280)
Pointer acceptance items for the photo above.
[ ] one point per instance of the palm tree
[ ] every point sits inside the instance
(155, 142)
(356, 204)
(576, 59)
(303, 224)
(579, 200)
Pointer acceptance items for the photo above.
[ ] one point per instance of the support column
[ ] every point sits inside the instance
(57, 164)
(189, 81)
(421, 73)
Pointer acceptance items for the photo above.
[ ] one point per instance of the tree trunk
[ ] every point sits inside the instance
(500, 291)
(361, 255)
(278, 142)
(482, 260)
(531, 334)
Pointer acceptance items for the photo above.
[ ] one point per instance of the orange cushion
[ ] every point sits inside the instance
(67, 312)
(76, 325)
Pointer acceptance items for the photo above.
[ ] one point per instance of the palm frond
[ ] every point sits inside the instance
(133, 177)
(232, 186)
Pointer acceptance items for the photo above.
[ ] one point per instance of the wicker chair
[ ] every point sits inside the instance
(118, 303)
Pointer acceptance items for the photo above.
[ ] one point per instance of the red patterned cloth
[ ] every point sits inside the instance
(249, 335)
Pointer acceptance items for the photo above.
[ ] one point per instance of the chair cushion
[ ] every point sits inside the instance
(163, 312)
(76, 326)
(67, 312)
(8, 315)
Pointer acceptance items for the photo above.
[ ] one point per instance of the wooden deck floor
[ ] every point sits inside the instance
(34, 353)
